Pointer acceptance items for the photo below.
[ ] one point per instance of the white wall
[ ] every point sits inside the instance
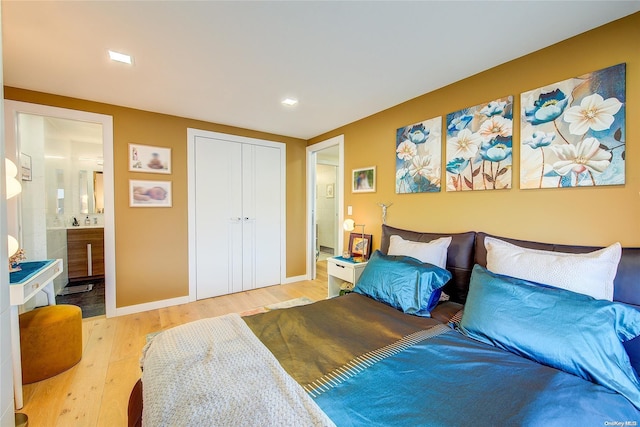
(6, 367)
(326, 206)
(57, 248)
(7, 417)
(33, 237)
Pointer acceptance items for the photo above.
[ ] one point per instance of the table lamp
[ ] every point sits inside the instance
(350, 225)
(13, 189)
(13, 185)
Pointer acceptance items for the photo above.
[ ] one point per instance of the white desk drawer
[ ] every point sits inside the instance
(340, 271)
(25, 290)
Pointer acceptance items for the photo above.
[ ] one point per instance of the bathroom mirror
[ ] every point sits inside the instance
(59, 192)
(91, 193)
(98, 192)
(86, 202)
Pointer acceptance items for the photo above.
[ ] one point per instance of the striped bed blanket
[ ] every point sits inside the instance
(217, 372)
(362, 364)
(439, 377)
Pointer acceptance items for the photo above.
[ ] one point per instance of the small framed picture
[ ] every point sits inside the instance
(146, 158)
(25, 167)
(149, 194)
(330, 191)
(360, 247)
(364, 180)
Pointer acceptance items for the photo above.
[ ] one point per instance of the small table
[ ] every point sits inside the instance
(34, 276)
(341, 270)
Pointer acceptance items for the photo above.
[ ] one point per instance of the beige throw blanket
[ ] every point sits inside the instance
(216, 372)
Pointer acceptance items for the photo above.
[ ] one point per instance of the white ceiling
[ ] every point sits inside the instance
(233, 62)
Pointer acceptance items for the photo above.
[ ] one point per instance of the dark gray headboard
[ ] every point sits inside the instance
(460, 257)
(467, 249)
(627, 281)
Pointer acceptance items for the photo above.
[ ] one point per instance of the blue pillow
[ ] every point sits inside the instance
(402, 282)
(566, 330)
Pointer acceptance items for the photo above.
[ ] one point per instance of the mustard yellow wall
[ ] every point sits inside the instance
(151, 245)
(589, 216)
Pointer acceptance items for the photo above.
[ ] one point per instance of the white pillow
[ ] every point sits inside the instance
(433, 252)
(590, 273)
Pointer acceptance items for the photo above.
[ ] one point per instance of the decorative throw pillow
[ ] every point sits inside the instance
(402, 282)
(590, 273)
(566, 330)
(433, 252)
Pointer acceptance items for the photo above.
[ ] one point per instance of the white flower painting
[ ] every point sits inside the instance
(479, 146)
(573, 132)
(418, 156)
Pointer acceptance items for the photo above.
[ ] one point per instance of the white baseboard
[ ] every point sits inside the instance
(131, 309)
(295, 279)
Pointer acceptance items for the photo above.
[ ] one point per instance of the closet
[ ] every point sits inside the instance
(237, 198)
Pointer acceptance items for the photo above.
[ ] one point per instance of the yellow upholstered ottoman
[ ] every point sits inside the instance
(50, 341)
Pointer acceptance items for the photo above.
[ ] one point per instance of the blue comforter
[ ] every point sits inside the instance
(447, 379)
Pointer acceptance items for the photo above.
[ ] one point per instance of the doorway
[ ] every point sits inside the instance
(68, 151)
(325, 201)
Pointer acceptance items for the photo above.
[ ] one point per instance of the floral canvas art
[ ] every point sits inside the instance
(573, 132)
(418, 157)
(479, 146)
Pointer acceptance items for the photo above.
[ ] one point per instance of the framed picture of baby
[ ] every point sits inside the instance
(364, 180)
(146, 158)
(149, 194)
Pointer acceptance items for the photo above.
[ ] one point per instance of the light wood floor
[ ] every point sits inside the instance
(95, 392)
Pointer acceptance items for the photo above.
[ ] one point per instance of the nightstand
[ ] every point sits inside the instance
(341, 270)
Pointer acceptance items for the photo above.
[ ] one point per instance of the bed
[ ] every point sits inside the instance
(498, 349)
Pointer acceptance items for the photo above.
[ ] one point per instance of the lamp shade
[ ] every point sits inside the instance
(13, 185)
(13, 245)
(10, 168)
(349, 224)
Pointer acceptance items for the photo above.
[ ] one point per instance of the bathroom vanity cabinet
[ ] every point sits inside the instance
(85, 252)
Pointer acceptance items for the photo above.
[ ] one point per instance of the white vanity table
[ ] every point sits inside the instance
(34, 277)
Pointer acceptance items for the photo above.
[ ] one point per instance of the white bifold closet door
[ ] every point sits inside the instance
(238, 211)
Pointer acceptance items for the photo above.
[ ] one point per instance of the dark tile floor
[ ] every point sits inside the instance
(91, 302)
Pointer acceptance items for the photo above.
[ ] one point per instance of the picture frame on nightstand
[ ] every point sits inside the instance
(357, 244)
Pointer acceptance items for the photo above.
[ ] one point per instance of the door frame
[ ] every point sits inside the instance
(311, 197)
(192, 133)
(12, 108)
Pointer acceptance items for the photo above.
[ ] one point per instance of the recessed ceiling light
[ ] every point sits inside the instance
(290, 102)
(120, 57)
